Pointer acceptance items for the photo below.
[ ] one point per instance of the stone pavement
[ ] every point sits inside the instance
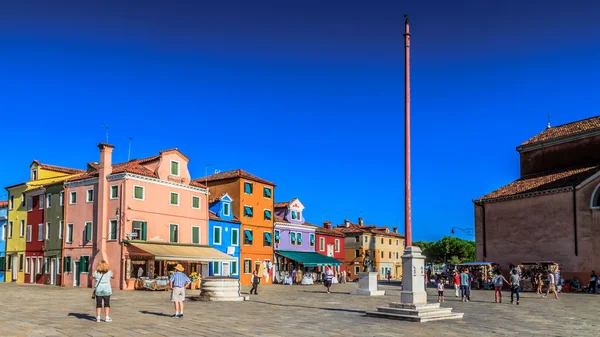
(34, 310)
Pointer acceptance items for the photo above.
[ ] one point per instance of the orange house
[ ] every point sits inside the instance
(253, 205)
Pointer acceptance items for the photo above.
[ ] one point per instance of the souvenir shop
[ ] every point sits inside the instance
(303, 268)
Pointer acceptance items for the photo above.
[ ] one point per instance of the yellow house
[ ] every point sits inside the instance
(40, 174)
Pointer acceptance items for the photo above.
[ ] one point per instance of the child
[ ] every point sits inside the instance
(440, 287)
(498, 279)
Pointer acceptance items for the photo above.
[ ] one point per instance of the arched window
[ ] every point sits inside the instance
(596, 197)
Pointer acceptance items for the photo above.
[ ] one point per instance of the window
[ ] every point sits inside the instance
(248, 187)
(277, 236)
(29, 204)
(39, 265)
(22, 200)
(47, 231)
(27, 264)
(73, 198)
(226, 209)
(60, 229)
(89, 195)
(215, 268)
(356, 270)
(247, 266)
(28, 236)
(267, 214)
(366, 239)
(3, 235)
(40, 232)
(196, 235)
(69, 237)
(322, 244)
(61, 198)
(8, 262)
(138, 192)
(234, 268)
(294, 215)
(140, 229)
(113, 229)
(357, 253)
(84, 264)
(267, 239)
(397, 242)
(67, 265)
(337, 245)
(21, 262)
(216, 235)
(2, 258)
(312, 240)
(46, 265)
(248, 211)
(390, 255)
(58, 265)
(174, 168)
(87, 233)
(11, 204)
(381, 240)
(114, 191)
(235, 237)
(174, 198)
(22, 229)
(196, 202)
(10, 229)
(382, 254)
(293, 238)
(34, 175)
(357, 239)
(267, 193)
(48, 200)
(174, 235)
(248, 237)
(396, 255)
(373, 240)
(41, 202)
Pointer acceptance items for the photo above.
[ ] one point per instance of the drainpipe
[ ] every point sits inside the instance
(575, 219)
(122, 232)
(63, 250)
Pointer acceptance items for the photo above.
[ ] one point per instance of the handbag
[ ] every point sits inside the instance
(94, 292)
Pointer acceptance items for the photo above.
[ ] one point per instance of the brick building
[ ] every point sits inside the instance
(552, 212)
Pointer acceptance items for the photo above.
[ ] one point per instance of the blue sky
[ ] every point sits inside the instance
(305, 94)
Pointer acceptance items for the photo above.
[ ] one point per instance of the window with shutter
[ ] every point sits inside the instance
(196, 235)
(174, 237)
(88, 231)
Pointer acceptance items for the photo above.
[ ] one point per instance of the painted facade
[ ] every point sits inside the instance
(35, 266)
(53, 239)
(330, 242)
(252, 203)
(3, 233)
(224, 234)
(290, 233)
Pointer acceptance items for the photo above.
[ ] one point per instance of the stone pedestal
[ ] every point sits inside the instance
(367, 285)
(220, 289)
(413, 306)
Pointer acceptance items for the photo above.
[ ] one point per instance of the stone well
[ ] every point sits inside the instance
(220, 288)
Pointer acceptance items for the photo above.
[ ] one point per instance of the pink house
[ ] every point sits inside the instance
(142, 216)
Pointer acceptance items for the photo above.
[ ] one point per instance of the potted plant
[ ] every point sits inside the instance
(194, 278)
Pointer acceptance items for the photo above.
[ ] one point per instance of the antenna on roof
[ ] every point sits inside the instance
(129, 151)
(548, 126)
(106, 127)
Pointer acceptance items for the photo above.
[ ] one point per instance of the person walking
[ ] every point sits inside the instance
(498, 279)
(539, 283)
(328, 279)
(551, 285)
(389, 276)
(440, 288)
(593, 282)
(456, 280)
(178, 282)
(102, 290)
(464, 286)
(255, 282)
(515, 286)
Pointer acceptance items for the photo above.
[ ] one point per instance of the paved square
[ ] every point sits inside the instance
(33, 310)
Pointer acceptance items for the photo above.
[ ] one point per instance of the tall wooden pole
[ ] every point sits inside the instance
(407, 208)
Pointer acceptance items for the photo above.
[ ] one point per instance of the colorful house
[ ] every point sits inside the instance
(143, 217)
(252, 204)
(53, 237)
(34, 237)
(330, 242)
(3, 233)
(224, 235)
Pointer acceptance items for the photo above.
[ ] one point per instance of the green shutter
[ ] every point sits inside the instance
(144, 231)
(234, 236)
(82, 264)
(88, 232)
(2, 263)
(173, 233)
(195, 235)
(217, 235)
(234, 270)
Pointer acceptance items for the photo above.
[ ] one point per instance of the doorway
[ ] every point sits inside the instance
(15, 265)
(226, 269)
(52, 271)
(33, 270)
(76, 274)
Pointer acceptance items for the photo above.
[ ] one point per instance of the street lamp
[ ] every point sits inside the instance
(468, 231)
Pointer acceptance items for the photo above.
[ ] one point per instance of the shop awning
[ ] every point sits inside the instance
(178, 252)
(310, 259)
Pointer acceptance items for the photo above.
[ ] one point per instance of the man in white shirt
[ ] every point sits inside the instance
(328, 278)
(551, 285)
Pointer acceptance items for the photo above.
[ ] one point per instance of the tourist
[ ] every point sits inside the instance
(255, 282)
(539, 283)
(389, 277)
(593, 282)
(551, 285)
(456, 281)
(178, 282)
(328, 279)
(515, 286)
(440, 288)
(498, 279)
(102, 290)
(464, 286)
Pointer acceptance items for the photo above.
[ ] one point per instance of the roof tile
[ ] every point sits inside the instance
(239, 173)
(565, 130)
(213, 216)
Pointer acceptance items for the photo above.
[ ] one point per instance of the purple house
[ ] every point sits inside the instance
(296, 260)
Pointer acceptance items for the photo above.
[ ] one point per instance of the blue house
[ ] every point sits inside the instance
(224, 236)
(3, 233)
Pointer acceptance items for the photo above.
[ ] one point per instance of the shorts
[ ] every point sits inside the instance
(552, 287)
(440, 293)
(100, 299)
(178, 295)
(327, 283)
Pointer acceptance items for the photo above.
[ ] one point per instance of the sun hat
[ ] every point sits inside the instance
(179, 267)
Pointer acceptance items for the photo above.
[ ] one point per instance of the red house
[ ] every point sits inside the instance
(330, 242)
(34, 237)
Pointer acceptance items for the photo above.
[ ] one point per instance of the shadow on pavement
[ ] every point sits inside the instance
(307, 307)
(82, 316)
(155, 313)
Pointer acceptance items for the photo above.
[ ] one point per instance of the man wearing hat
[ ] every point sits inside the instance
(177, 283)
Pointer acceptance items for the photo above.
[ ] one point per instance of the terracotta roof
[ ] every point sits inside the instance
(3, 203)
(280, 219)
(372, 229)
(213, 216)
(239, 173)
(325, 231)
(213, 200)
(175, 150)
(197, 184)
(565, 130)
(547, 182)
(281, 204)
(56, 168)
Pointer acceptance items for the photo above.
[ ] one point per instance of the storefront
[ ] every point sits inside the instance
(149, 264)
(293, 267)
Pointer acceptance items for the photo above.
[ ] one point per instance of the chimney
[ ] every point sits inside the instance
(346, 223)
(327, 224)
(101, 200)
(360, 221)
(395, 229)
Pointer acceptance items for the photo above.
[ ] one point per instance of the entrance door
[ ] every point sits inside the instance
(33, 270)
(15, 266)
(52, 271)
(226, 269)
(76, 274)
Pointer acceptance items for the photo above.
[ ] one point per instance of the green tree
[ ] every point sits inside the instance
(453, 249)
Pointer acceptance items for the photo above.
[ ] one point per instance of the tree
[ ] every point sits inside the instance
(453, 249)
